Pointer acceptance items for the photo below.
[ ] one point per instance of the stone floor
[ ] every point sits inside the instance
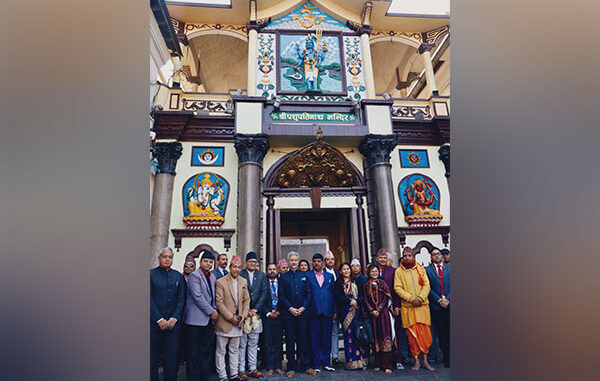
(441, 373)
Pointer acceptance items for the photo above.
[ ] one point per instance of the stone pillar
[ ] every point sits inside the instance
(362, 234)
(167, 154)
(425, 52)
(252, 65)
(376, 149)
(250, 149)
(365, 48)
(271, 236)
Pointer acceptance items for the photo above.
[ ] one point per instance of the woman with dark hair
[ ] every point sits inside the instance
(376, 298)
(349, 309)
(303, 265)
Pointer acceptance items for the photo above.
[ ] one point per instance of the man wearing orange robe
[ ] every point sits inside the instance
(412, 285)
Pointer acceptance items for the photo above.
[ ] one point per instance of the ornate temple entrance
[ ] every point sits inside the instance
(315, 171)
(308, 232)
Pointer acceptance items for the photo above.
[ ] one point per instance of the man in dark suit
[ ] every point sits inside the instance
(200, 315)
(259, 292)
(272, 326)
(220, 266)
(322, 310)
(167, 298)
(294, 300)
(329, 260)
(438, 273)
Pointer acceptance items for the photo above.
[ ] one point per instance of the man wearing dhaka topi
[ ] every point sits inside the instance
(412, 285)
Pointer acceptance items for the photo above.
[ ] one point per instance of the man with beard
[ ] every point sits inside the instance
(272, 327)
(412, 285)
(188, 267)
(387, 273)
(221, 266)
(439, 301)
(282, 267)
(294, 299)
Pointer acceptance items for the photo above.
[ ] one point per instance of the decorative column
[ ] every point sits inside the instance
(167, 154)
(250, 149)
(376, 149)
(444, 156)
(425, 52)
(271, 236)
(252, 54)
(365, 48)
(362, 233)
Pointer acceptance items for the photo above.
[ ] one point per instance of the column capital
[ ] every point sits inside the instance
(444, 156)
(377, 148)
(257, 25)
(359, 28)
(251, 148)
(167, 154)
(426, 47)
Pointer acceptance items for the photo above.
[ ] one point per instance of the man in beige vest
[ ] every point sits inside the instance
(233, 304)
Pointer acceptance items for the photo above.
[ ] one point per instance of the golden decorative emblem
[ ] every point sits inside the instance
(318, 164)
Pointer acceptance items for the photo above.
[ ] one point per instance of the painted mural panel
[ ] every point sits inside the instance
(355, 80)
(414, 158)
(308, 16)
(266, 77)
(310, 62)
(420, 198)
(208, 156)
(204, 200)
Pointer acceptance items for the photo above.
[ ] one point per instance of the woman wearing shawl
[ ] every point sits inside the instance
(377, 297)
(349, 308)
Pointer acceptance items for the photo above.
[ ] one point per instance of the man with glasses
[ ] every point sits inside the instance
(167, 293)
(188, 267)
(439, 301)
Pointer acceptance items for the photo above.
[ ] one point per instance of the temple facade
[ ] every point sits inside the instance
(300, 125)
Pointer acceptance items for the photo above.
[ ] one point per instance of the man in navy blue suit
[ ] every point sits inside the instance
(294, 300)
(321, 312)
(438, 273)
(167, 298)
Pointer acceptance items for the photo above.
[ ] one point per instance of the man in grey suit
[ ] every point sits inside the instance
(200, 314)
(220, 266)
(258, 287)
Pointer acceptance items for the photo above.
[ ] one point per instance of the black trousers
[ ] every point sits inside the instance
(297, 334)
(199, 346)
(441, 321)
(164, 343)
(273, 336)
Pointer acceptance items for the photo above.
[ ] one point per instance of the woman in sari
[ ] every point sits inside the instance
(376, 298)
(349, 309)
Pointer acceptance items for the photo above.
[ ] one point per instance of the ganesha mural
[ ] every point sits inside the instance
(420, 198)
(204, 200)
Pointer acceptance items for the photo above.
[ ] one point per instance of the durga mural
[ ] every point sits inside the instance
(204, 200)
(420, 198)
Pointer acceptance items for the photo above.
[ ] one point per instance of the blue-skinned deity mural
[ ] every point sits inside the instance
(310, 63)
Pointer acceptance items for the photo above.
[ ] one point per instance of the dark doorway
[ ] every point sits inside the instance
(310, 231)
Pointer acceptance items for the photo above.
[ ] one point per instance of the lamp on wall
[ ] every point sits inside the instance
(386, 96)
(356, 106)
(277, 103)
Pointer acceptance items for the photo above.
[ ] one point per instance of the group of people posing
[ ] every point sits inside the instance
(385, 313)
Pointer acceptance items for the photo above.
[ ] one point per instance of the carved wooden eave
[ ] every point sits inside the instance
(203, 232)
(183, 126)
(317, 164)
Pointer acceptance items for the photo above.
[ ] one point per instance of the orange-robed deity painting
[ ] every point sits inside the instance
(420, 199)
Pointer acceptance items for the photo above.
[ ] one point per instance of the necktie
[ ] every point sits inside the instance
(441, 276)
(273, 296)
